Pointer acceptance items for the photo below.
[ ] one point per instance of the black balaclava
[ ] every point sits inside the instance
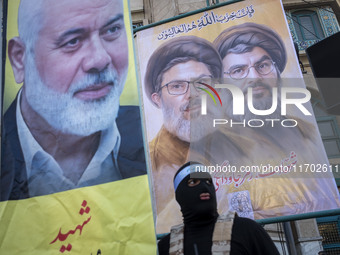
(199, 216)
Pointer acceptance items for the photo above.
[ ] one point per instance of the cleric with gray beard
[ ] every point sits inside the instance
(174, 75)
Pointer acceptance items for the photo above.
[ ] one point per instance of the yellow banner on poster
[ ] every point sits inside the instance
(78, 188)
(112, 218)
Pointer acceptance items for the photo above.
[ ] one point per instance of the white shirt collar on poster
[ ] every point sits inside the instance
(45, 176)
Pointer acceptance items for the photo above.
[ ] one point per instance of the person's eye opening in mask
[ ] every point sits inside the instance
(192, 182)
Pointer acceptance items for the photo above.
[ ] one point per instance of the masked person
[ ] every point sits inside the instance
(204, 231)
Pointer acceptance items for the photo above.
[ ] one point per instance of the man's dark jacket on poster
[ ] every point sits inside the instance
(13, 177)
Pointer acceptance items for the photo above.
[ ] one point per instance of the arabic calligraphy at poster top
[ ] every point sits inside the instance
(205, 20)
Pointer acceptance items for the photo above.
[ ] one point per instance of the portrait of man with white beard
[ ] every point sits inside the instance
(66, 128)
(174, 75)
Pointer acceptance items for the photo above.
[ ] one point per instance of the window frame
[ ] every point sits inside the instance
(328, 118)
(330, 219)
(311, 13)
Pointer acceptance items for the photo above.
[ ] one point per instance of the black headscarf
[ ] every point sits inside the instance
(199, 216)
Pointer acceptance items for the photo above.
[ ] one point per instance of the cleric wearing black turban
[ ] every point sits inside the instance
(250, 35)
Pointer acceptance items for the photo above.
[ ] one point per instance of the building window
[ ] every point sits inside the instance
(328, 128)
(307, 25)
(137, 24)
(329, 228)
